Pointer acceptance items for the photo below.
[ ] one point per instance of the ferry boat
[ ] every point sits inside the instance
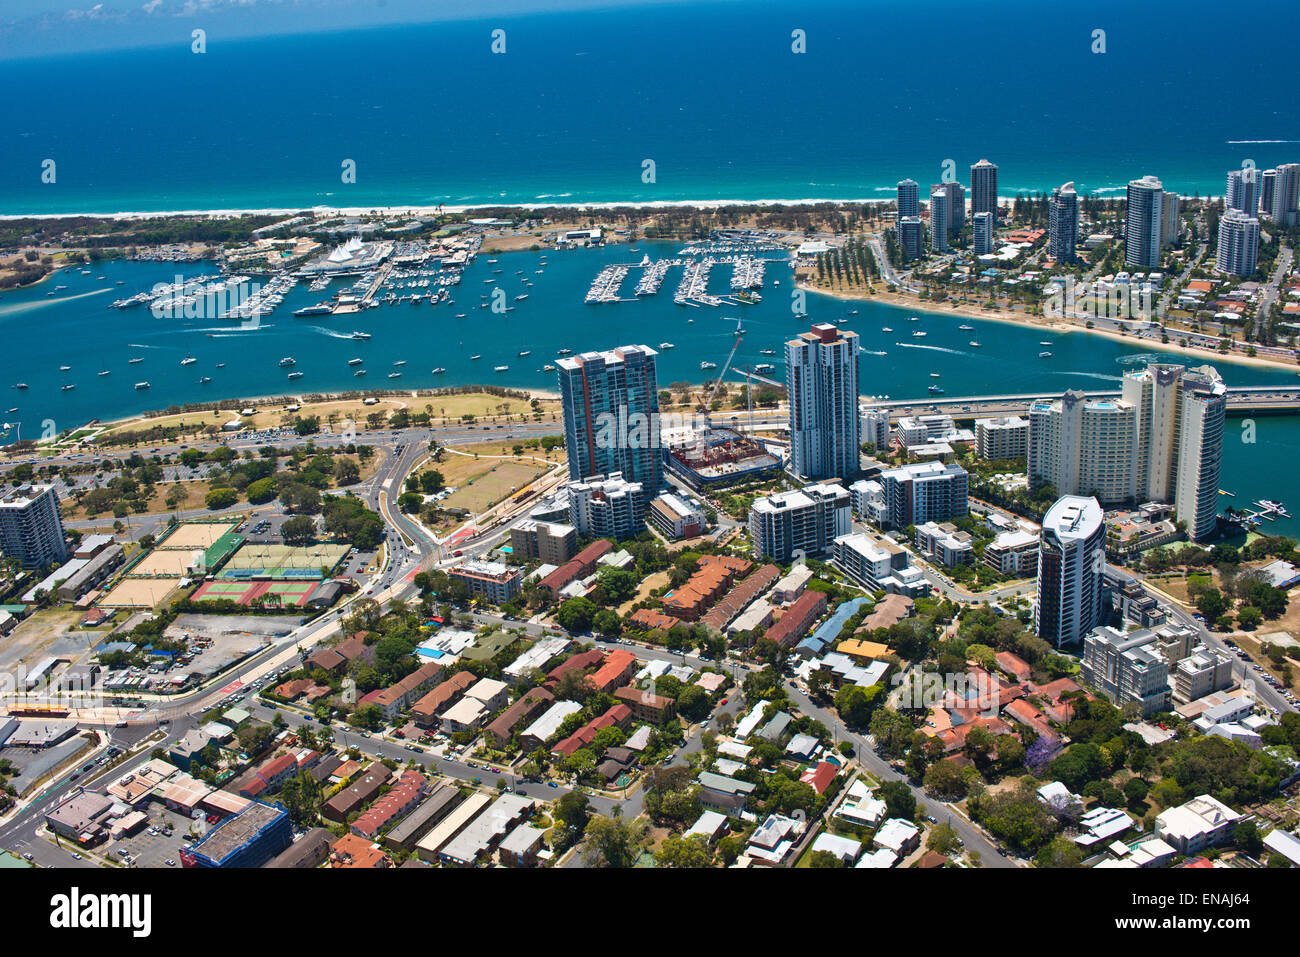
(141, 386)
(296, 375)
(189, 361)
(288, 361)
(319, 309)
(439, 371)
(764, 367)
(394, 375)
(1044, 355)
(360, 335)
(355, 362)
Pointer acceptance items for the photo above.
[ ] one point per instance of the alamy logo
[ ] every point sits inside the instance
(639, 430)
(74, 910)
(197, 299)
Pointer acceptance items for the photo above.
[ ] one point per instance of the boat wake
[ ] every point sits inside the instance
(18, 308)
(1095, 375)
(951, 352)
(329, 332)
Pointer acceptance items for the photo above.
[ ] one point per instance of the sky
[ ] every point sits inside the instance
(33, 28)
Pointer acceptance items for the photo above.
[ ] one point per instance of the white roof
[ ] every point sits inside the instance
(746, 725)
(895, 833)
(465, 711)
(709, 823)
(551, 719)
(1198, 816)
(882, 858)
(841, 847)
(1284, 843)
(485, 689)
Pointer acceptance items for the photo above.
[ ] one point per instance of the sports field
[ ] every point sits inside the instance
(137, 593)
(481, 483)
(200, 535)
(167, 563)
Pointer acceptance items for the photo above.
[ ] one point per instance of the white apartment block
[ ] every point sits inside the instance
(1002, 437)
(1162, 441)
(945, 544)
(878, 565)
(1127, 668)
(807, 521)
(1071, 562)
(874, 427)
(607, 506)
(1013, 553)
(31, 530)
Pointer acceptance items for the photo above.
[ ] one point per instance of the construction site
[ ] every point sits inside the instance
(711, 456)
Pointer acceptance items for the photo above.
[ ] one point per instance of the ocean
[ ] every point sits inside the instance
(711, 93)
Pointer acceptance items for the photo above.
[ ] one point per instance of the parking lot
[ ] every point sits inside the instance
(152, 845)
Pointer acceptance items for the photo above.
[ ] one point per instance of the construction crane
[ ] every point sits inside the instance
(706, 410)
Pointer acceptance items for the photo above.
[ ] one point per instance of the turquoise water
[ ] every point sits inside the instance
(74, 328)
(711, 92)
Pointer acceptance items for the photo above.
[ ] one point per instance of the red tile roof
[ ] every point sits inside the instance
(820, 777)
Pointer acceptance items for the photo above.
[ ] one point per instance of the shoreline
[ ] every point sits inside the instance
(289, 399)
(435, 209)
(1053, 325)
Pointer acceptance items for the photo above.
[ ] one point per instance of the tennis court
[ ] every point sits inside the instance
(287, 593)
(283, 561)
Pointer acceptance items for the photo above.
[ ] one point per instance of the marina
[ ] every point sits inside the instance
(234, 353)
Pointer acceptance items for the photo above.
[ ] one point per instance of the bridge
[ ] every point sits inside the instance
(1242, 400)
